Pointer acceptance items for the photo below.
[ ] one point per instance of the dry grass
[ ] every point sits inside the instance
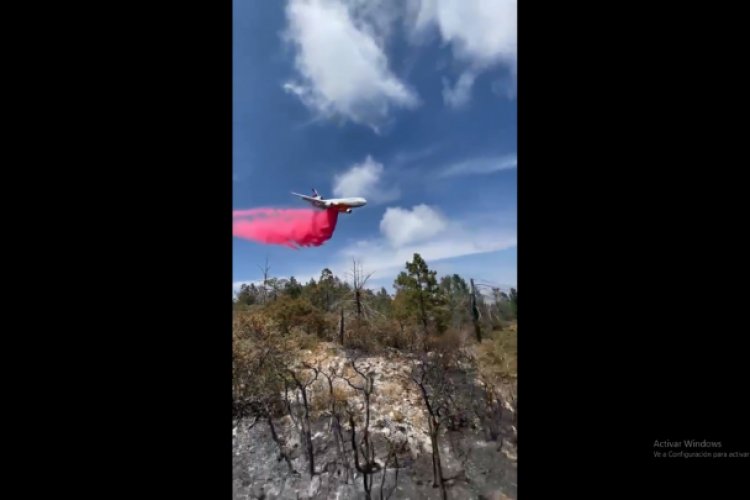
(498, 354)
(391, 390)
(341, 394)
(321, 396)
(320, 399)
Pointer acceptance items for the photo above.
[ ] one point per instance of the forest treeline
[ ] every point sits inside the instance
(345, 310)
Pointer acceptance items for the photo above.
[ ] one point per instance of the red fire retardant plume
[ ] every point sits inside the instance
(289, 227)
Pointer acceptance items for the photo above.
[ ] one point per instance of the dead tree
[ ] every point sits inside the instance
(335, 425)
(367, 466)
(434, 385)
(488, 406)
(359, 280)
(393, 451)
(303, 421)
(257, 383)
(355, 300)
(265, 270)
(283, 454)
(475, 312)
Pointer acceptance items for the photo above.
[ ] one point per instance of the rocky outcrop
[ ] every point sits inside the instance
(474, 466)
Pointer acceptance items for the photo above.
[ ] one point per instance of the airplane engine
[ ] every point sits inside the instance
(348, 210)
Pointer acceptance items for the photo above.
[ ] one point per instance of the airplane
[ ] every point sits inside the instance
(340, 204)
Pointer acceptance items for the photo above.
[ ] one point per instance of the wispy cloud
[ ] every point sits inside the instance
(387, 254)
(459, 95)
(404, 158)
(377, 256)
(482, 33)
(341, 63)
(329, 35)
(365, 179)
(478, 166)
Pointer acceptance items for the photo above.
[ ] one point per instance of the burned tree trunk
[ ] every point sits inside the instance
(282, 452)
(303, 423)
(433, 423)
(475, 312)
(367, 466)
(434, 387)
(336, 426)
(359, 280)
(358, 300)
(393, 451)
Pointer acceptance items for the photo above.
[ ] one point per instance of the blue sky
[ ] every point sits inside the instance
(410, 104)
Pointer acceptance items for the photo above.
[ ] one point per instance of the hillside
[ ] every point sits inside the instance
(343, 393)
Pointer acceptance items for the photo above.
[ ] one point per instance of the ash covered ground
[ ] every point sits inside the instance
(477, 450)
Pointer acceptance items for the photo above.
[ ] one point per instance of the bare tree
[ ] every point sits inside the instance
(488, 407)
(335, 425)
(265, 271)
(302, 421)
(359, 280)
(475, 312)
(355, 300)
(393, 451)
(365, 449)
(283, 452)
(430, 375)
(257, 380)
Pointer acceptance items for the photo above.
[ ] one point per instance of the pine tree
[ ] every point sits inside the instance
(247, 294)
(421, 293)
(514, 302)
(456, 292)
(293, 288)
(326, 290)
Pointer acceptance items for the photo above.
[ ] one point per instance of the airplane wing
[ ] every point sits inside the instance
(314, 201)
(304, 197)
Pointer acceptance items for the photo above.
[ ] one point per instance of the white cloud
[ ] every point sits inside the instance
(480, 166)
(459, 238)
(376, 17)
(407, 157)
(375, 256)
(402, 226)
(466, 235)
(365, 179)
(482, 33)
(459, 95)
(341, 62)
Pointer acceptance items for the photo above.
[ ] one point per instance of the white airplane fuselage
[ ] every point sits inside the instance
(344, 205)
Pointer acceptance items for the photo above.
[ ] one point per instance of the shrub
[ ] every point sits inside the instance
(288, 313)
(497, 356)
